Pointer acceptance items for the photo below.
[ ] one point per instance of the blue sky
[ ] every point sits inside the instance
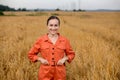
(63, 4)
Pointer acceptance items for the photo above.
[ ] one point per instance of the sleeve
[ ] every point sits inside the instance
(69, 52)
(32, 54)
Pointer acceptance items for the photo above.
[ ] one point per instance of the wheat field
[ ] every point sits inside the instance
(94, 36)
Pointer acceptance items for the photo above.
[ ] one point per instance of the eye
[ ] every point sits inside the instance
(56, 25)
(51, 24)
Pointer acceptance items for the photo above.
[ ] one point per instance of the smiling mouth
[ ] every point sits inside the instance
(53, 30)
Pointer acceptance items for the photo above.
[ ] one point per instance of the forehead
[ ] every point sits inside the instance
(53, 21)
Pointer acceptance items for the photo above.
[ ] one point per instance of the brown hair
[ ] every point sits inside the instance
(53, 17)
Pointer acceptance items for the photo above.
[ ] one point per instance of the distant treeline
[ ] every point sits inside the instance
(7, 8)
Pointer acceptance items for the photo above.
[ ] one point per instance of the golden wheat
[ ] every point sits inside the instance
(94, 37)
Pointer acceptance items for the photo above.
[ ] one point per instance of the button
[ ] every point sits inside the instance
(52, 53)
(52, 58)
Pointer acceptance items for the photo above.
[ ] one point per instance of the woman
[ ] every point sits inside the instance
(55, 50)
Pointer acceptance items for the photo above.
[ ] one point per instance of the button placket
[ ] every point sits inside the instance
(53, 57)
(52, 53)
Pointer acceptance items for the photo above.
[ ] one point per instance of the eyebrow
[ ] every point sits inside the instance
(53, 24)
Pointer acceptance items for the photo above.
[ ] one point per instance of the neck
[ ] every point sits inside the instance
(52, 35)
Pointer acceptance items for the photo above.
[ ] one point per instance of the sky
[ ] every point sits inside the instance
(63, 4)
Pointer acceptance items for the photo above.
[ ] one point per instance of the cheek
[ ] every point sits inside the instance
(57, 28)
(48, 28)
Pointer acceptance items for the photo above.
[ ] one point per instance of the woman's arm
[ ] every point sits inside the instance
(69, 51)
(32, 54)
(69, 56)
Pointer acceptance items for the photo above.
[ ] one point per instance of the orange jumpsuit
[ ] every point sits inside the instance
(52, 53)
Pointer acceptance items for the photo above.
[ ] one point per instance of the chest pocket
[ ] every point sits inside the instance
(61, 49)
(44, 48)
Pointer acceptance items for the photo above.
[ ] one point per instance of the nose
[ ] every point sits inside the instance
(53, 27)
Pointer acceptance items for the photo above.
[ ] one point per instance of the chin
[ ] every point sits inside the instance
(53, 33)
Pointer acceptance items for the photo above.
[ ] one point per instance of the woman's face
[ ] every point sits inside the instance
(53, 26)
